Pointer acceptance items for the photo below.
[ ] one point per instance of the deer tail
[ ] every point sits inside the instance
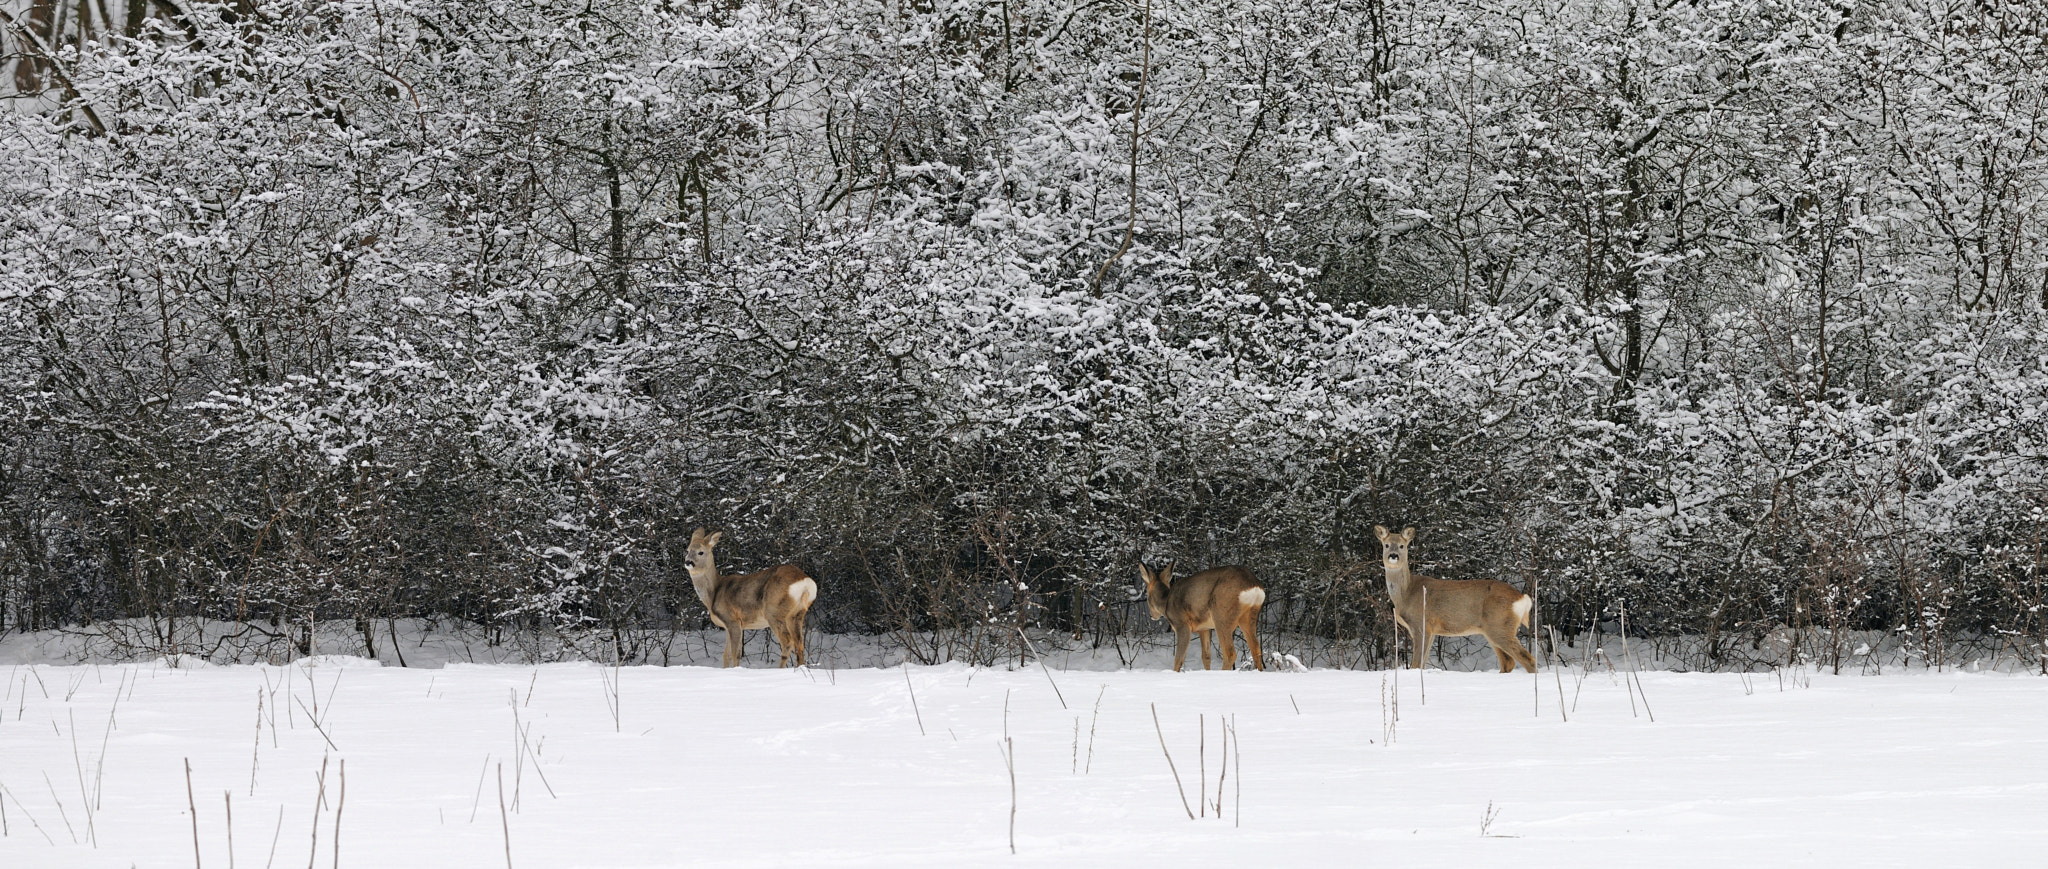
(804, 591)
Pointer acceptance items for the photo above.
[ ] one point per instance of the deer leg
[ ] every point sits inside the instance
(732, 643)
(1413, 640)
(1251, 638)
(1418, 633)
(1205, 638)
(1226, 651)
(792, 638)
(797, 633)
(1510, 651)
(1180, 649)
(1521, 654)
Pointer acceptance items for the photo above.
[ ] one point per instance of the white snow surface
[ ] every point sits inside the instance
(704, 767)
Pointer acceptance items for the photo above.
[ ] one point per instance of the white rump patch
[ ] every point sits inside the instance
(1521, 608)
(1252, 597)
(803, 592)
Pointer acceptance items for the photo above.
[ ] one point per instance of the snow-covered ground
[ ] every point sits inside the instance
(693, 766)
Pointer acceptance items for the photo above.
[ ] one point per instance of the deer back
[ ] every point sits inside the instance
(1459, 607)
(1214, 597)
(752, 600)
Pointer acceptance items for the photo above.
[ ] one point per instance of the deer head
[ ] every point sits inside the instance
(1396, 546)
(1157, 585)
(699, 552)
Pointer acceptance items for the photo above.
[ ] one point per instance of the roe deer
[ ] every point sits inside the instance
(1218, 599)
(776, 598)
(1431, 608)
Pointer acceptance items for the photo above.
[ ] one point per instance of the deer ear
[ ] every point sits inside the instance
(1144, 573)
(1166, 574)
(696, 536)
(1381, 532)
(1408, 535)
(713, 539)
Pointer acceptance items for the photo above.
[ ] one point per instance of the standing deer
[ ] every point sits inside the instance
(1431, 608)
(776, 598)
(1218, 599)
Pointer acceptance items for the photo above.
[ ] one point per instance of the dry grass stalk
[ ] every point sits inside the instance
(1091, 728)
(193, 805)
(1177, 786)
(504, 820)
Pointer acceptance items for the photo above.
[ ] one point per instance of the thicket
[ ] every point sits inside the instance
(358, 309)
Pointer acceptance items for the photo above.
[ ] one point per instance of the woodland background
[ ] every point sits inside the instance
(1730, 313)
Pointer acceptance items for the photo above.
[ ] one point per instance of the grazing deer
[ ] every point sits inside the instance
(1218, 599)
(1431, 608)
(776, 598)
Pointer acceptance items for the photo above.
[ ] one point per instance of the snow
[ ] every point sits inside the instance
(646, 766)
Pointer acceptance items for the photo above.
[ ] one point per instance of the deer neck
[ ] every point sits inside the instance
(1399, 583)
(704, 577)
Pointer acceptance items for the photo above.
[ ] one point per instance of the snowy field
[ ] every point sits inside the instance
(581, 765)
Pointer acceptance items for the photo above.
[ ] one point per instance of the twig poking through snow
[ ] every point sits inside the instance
(84, 799)
(99, 773)
(340, 803)
(1630, 676)
(61, 814)
(274, 835)
(478, 798)
(1390, 715)
(1010, 761)
(1237, 755)
(611, 691)
(1558, 676)
(9, 795)
(1177, 786)
(1091, 728)
(521, 750)
(256, 749)
(312, 714)
(1041, 666)
(319, 800)
(1486, 823)
(1223, 752)
(504, 822)
(1422, 672)
(913, 699)
(193, 805)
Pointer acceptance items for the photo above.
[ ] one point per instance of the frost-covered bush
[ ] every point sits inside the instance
(1729, 314)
